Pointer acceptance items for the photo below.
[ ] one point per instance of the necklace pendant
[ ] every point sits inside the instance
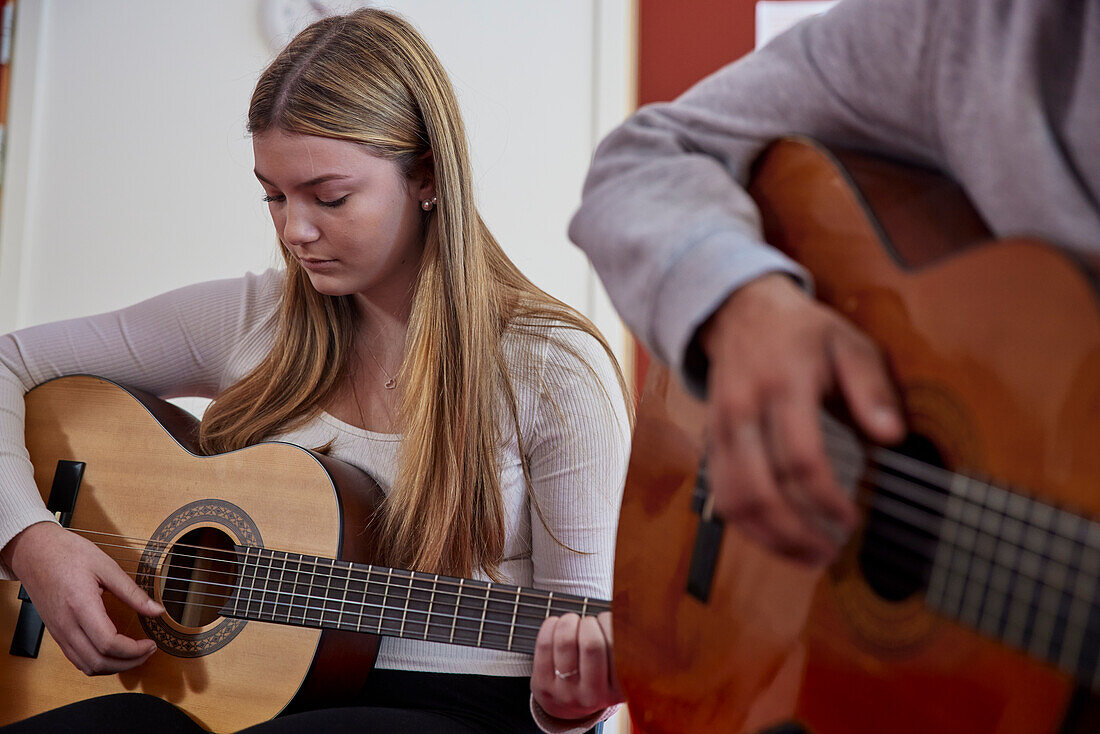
(391, 383)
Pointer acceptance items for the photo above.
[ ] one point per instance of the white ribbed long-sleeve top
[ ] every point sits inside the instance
(198, 340)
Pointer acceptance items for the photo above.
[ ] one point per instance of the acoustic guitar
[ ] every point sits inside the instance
(261, 558)
(968, 600)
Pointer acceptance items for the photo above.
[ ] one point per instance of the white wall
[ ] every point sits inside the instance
(128, 170)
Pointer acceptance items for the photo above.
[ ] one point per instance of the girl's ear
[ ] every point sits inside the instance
(422, 178)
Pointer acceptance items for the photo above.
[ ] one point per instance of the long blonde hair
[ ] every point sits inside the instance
(369, 78)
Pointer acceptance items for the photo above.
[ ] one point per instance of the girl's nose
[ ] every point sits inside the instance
(298, 228)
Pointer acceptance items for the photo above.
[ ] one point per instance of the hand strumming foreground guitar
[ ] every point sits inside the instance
(225, 542)
(968, 601)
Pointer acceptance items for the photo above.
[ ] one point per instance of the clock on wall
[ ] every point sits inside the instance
(284, 19)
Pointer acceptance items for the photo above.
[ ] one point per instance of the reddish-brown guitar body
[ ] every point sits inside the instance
(995, 349)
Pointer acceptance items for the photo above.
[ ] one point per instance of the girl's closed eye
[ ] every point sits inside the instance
(334, 203)
(268, 198)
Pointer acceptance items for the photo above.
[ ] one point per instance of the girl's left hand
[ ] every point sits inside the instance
(574, 673)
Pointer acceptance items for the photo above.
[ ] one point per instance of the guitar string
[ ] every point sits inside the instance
(1034, 602)
(895, 485)
(919, 496)
(910, 468)
(397, 628)
(472, 588)
(994, 620)
(324, 608)
(921, 553)
(894, 459)
(388, 626)
(376, 588)
(411, 617)
(935, 504)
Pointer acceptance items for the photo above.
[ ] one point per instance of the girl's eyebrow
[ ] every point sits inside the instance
(306, 184)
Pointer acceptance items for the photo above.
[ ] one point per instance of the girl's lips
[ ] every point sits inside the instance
(317, 264)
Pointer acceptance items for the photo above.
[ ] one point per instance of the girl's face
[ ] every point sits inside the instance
(350, 218)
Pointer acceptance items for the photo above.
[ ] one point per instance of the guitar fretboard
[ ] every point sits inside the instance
(307, 591)
(1013, 568)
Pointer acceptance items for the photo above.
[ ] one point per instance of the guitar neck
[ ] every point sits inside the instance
(308, 591)
(1018, 570)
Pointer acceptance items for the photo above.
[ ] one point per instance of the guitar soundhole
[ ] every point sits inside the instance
(896, 555)
(201, 570)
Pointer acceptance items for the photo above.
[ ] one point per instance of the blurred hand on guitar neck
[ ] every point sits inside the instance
(775, 354)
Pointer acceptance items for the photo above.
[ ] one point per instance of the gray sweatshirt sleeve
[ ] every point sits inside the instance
(665, 218)
(185, 342)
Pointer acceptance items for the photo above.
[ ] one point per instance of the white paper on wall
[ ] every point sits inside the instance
(775, 16)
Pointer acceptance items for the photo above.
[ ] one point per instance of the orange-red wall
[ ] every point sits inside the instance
(680, 42)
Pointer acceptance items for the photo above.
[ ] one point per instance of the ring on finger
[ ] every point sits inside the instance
(566, 675)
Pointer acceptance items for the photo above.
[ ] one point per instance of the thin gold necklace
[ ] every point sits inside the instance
(391, 381)
(358, 400)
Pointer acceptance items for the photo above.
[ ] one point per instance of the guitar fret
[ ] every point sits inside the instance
(344, 596)
(264, 602)
(252, 578)
(963, 548)
(325, 568)
(269, 604)
(293, 588)
(1081, 599)
(1073, 616)
(458, 600)
(369, 607)
(299, 596)
(978, 572)
(570, 606)
(385, 603)
(421, 599)
(405, 610)
(1019, 571)
(431, 605)
(303, 589)
(252, 584)
(1046, 598)
(939, 581)
(484, 611)
(1021, 620)
(287, 589)
(512, 627)
(1088, 660)
(303, 592)
(337, 594)
(371, 602)
(998, 577)
(357, 591)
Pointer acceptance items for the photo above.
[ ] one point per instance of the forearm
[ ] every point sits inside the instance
(175, 344)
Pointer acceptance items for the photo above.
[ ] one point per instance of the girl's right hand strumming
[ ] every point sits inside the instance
(65, 576)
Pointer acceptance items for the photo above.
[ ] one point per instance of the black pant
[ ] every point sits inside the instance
(391, 701)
